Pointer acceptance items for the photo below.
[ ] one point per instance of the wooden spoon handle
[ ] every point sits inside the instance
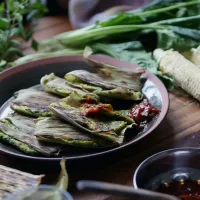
(120, 190)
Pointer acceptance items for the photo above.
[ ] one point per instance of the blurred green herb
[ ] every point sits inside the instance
(13, 15)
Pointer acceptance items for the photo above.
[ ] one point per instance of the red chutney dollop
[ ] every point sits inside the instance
(143, 113)
(94, 109)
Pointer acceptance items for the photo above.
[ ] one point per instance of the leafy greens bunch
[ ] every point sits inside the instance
(13, 15)
(176, 24)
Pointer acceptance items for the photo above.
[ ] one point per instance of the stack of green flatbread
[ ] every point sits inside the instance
(75, 110)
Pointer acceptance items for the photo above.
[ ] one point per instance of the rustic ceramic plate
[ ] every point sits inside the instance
(29, 75)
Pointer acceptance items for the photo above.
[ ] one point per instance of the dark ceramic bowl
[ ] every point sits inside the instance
(180, 163)
(28, 75)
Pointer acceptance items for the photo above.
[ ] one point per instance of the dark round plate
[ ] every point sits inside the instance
(29, 75)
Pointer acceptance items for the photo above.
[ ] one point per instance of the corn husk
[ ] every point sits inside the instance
(185, 73)
(193, 55)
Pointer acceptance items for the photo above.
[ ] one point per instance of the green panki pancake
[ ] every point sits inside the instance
(17, 130)
(106, 87)
(12, 180)
(109, 81)
(18, 144)
(33, 102)
(115, 77)
(56, 85)
(84, 80)
(120, 93)
(95, 108)
(54, 130)
(102, 121)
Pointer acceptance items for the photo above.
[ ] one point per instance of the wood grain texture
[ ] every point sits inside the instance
(181, 128)
(45, 29)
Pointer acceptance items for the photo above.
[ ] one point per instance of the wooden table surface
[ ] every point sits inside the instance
(181, 128)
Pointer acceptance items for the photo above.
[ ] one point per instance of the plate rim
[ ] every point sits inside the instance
(102, 58)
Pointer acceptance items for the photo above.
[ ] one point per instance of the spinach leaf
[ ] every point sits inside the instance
(158, 4)
(167, 39)
(133, 52)
(156, 18)
(122, 18)
(193, 10)
(186, 32)
(115, 50)
(155, 11)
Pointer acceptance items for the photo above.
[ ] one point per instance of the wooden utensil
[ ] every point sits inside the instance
(120, 190)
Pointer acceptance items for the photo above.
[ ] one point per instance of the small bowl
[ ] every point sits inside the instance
(180, 162)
